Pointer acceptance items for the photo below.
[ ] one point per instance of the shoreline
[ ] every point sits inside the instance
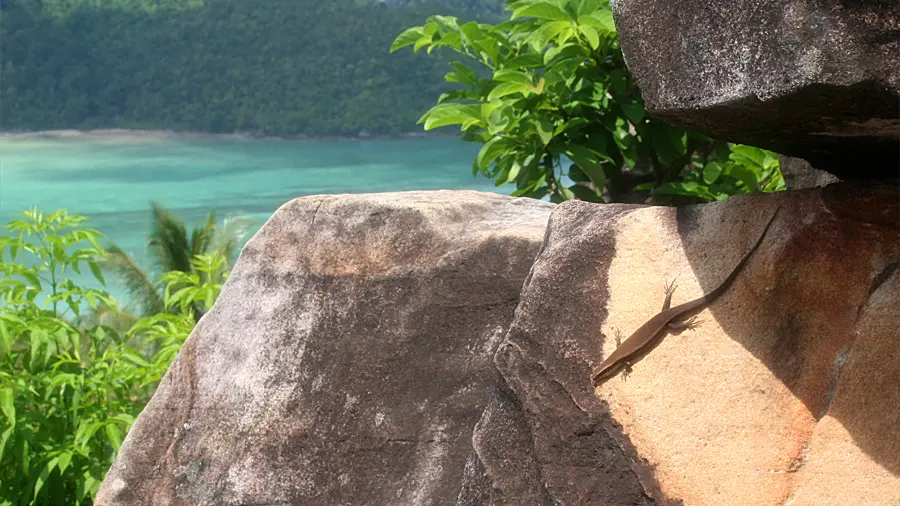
(136, 134)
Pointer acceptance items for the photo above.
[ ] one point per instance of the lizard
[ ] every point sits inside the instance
(643, 339)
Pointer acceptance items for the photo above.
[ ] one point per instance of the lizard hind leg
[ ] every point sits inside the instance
(690, 324)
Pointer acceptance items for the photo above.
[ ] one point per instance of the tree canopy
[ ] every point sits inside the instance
(280, 67)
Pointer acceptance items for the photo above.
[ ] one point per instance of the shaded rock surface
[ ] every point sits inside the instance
(814, 79)
(785, 393)
(799, 174)
(346, 361)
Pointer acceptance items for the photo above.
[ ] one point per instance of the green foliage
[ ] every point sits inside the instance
(197, 288)
(70, 390)
(745, 169)
(185, 293)
(279, 67)
(556, 90)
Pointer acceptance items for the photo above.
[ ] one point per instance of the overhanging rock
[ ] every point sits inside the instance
(814, 79)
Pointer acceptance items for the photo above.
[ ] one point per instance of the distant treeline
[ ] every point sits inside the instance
(273, 67)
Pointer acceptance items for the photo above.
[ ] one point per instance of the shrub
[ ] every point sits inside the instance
(70, 389)
(550, 86)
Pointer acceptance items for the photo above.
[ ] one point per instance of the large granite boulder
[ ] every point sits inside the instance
(814, 79)
(346, 361)
(785, 393)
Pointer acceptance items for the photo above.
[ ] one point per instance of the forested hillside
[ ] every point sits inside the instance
(274, 67)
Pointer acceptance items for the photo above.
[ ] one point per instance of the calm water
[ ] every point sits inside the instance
(112, 178)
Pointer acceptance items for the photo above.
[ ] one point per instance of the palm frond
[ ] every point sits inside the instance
(144, 295)
(202, 236)
(168, 244)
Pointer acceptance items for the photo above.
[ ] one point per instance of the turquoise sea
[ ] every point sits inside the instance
(111, 177)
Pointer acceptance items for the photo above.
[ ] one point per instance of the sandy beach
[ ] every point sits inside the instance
(127, 135)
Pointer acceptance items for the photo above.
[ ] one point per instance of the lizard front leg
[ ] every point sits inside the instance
(626, 370)
(670, 289)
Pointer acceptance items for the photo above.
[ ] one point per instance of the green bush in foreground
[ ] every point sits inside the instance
(70, 389)
(551, 86)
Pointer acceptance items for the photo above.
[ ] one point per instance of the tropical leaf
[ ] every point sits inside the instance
(408, 37)
(491, 151)
(168, 244)
(542, 10)
(450, 114)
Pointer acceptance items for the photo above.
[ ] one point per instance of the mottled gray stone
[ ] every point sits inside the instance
(799, 174)
(814, 79)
